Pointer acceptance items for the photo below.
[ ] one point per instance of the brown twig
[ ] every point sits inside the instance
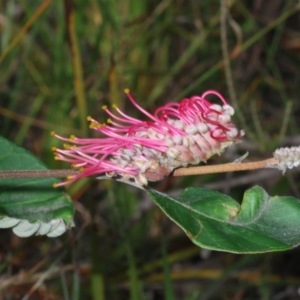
(230, 167)
(38, 173)
(222, 168)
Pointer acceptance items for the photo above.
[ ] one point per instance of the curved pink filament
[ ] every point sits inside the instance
(212, 92)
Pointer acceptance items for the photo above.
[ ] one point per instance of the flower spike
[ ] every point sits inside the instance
(176, 135)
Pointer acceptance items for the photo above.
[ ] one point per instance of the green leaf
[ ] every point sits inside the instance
(31, 205)
(215, 221)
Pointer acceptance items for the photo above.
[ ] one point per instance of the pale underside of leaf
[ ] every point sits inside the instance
(23, 228)
(31, 206)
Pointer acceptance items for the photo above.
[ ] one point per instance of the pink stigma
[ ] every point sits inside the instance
(175, 135)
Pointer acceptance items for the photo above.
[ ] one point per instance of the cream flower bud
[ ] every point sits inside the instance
(288, 158)
(228, 109)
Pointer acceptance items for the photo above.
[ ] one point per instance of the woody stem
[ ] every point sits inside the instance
(38, 173)
(230, 167)
(222, 168)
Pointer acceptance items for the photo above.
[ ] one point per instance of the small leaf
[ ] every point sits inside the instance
(215, 221)
(31, 205)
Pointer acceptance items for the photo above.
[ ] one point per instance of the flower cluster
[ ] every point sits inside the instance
(287, 158)
(176, 135)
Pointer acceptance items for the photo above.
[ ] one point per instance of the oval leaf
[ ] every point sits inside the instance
(31, 205)
(215, 221)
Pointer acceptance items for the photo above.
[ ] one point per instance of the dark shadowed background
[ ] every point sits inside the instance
(61, 61)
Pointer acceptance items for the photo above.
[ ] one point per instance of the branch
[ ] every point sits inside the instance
(38, 173)
(230, 167)
(284, 158)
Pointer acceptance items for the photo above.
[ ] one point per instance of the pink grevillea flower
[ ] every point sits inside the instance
(176, 135)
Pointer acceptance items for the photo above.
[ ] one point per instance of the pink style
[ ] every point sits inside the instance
(176, 135)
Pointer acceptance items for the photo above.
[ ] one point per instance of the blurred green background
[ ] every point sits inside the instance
(63, 60)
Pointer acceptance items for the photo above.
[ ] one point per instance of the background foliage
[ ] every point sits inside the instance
(63, 60)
